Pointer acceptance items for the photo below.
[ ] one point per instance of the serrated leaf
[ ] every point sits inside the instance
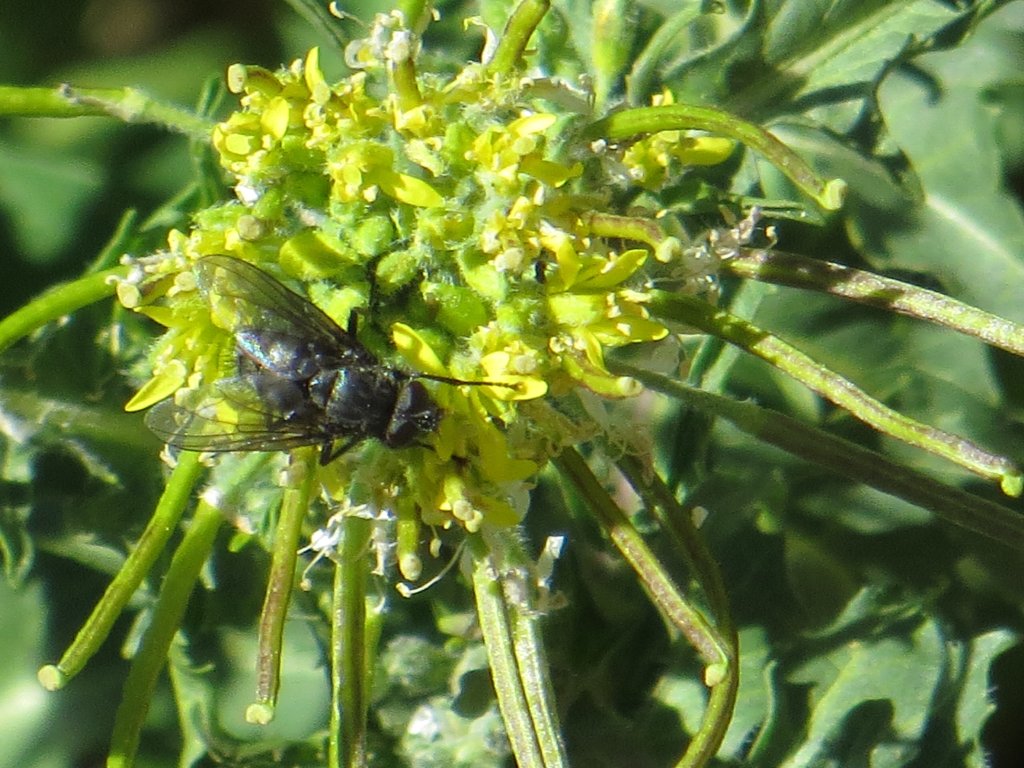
(904, 671)
(975, 703)
(193, 695)
(965, 222)
(827, 44)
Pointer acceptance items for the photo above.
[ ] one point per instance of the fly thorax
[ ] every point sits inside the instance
(357, 400)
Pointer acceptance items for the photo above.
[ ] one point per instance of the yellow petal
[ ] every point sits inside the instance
(574, 310)
(705, 150)
(531, 124)
(602, 383)
(522, 387)
(166, 316)
(165, 383)
(616, 271)
(416, 351)
(318, 88)
(275, 118)
(408, 189)
(499, 512)
(627, 329)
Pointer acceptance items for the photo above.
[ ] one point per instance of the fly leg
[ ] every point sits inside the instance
(329, 453)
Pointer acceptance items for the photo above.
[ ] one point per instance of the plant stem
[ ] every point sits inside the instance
(664, 592)
(497, 633)
(877, 291)
(642, 230)
(613, 31)
(842, 392)
(951, 505)
(527, 642)
(679, 525)
(167, 615)
(294, 506)
(57, 302)
(97, 425)
(138, 564)
(416, 13)
(717, 646)
(497, 626)
(518, 30)
(631, 123)
(129, 105)
(350, 697)
(638, 83)
(315, 13)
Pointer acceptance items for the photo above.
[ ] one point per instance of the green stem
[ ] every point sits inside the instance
(96, 628)
(403, 81)
(416, 13)
(350, 697)
(642, 230)
(528, 644)
(950, 504)
(284, 554)
(402, 71)
(721, 703)
(167, 615)
(498, 634)
(127, 104)
(631, 123)
(57, 302)
(664, 592)
(657, 496)
(699, 314)
(638, 82)
(520, 27)
(717, 714)
(118, 243)
(876, 291)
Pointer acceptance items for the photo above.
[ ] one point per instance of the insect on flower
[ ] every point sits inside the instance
(301, 379)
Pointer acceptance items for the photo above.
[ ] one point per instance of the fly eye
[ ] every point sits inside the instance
(415, 413)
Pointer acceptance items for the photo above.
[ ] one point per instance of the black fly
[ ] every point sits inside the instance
(301, 379)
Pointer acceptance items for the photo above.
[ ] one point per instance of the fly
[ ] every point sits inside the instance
(301, 379)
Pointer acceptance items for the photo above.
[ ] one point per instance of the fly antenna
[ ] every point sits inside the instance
(461, 382)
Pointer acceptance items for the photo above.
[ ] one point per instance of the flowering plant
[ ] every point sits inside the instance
(545, 242)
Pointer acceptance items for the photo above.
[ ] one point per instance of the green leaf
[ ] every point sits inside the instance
(964, 223)
(975, 703)
(828, 44)
(902, 670)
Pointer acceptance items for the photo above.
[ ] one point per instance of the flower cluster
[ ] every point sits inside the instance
(450, 214)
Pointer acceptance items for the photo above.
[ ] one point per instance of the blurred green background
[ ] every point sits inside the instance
(64, 184)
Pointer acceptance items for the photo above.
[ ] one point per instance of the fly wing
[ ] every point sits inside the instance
(244, 297)
(233, 415)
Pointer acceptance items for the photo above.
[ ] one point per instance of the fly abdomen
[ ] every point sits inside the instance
(281, 354)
